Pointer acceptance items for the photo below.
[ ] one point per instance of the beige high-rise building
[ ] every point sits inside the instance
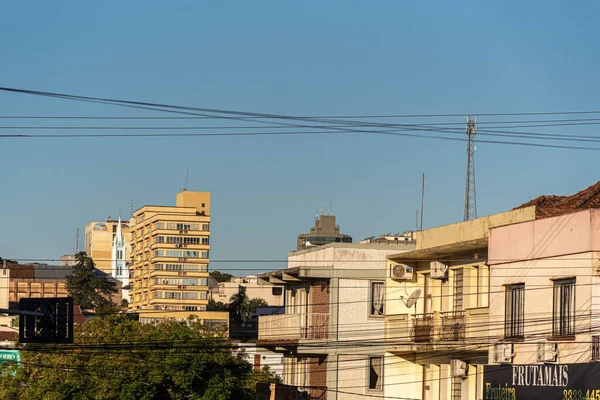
(169, 260)
(99, 238)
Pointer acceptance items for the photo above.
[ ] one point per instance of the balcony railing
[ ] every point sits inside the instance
(293, 326)
(438, 326)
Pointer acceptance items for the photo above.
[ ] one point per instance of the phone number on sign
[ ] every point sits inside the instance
(581, 395)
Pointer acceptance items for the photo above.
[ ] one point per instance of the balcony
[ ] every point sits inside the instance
(436, 329)
(293, 327)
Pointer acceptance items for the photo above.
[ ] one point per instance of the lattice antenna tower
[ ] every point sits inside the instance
(470, 193)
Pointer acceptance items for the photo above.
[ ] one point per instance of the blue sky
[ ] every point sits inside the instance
(286, 57)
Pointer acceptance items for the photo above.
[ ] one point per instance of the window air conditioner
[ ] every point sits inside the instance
(401, 272)
(547, 352)
(458, 368)
(438, 270)
(503, 353)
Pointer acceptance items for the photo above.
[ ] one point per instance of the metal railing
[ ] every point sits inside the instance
(293, 326)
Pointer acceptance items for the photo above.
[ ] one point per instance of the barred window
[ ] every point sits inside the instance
(563, 313)
(514, 321)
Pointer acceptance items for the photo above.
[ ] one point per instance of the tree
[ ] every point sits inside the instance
(221, 277)
(120, 358)
(89, 287)
(242, 307)
(215, 306)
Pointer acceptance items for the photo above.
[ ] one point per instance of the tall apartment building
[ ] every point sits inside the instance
(99, 239)
(169, 260)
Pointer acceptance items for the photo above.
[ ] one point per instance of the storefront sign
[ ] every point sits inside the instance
(542, 382)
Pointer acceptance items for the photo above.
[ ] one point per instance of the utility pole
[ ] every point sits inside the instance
(470, 197)
(422, 199)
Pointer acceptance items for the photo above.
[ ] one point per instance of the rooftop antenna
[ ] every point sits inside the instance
(470, 197)
(330, 207)
(77, 241)
(422, 199)
(187, 176)
(131, 207)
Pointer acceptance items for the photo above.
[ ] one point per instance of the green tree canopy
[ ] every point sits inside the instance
(221, 277)
(119, 358)
(90, 288)
(242, 307)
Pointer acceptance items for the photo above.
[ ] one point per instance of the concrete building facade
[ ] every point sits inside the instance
(438, 311)
(169, 259)
(99, 238)
(545, 298)
(249, 285)
(325, 231)
(334, 306)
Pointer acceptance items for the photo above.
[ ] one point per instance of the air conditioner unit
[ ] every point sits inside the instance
(438, 270)
(401, 272)
(458, 368)
(503, 353)
(547, 352)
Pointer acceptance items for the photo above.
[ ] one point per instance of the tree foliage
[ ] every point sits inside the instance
(215, 306)
(242, 307)
(119, 358)
(221, 277)
(90, 288)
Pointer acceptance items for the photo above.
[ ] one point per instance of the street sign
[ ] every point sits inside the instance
(8, 356)
(46, 320)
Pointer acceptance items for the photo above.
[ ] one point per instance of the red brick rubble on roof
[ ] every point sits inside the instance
(552, 205)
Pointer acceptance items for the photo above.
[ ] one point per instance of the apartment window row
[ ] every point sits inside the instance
(168, 307)
(183, 240)
(185, 295)
(181, 253)
(180, 281)
(181, 267)
(563, 309)
(180, 226)
(323, 239)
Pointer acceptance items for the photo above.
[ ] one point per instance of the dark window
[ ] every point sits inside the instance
(596, 348)
(376, 373)
(563, 313)
(276, 291)
(514, 322)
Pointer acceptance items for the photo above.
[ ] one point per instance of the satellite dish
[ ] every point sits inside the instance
(412, 299)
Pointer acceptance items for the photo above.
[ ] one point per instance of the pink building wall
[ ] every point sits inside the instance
(550, 237)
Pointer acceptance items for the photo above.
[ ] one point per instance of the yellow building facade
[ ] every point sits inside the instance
(436, 346)
(99, 238)
(169, 258)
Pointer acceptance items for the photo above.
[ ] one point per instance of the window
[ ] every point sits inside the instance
(458, 289)
(205, 227)
(204, 254)
(377, 298)
(514, 322)
(204, 240)
(596, 348)
(119, 254)
(159, 239)
(563, 313)
(375, 373)
(277, 291)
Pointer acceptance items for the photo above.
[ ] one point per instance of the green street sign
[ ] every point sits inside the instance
(9, 355)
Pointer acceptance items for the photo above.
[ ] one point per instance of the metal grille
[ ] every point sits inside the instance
(514, 319)
(458, 289)
(456, 388)
(596, 348)
(563, 313)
